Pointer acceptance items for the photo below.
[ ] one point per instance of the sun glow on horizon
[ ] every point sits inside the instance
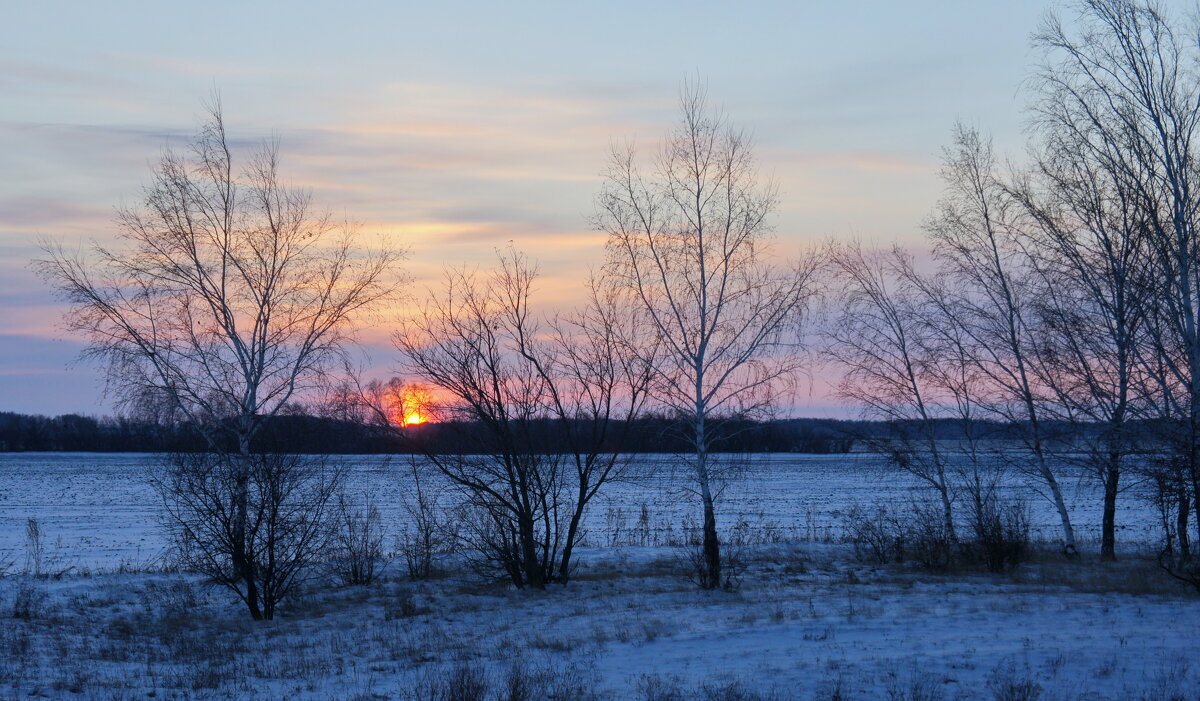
(410, 404)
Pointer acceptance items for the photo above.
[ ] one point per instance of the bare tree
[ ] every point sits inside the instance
(227, 297)
(281, 529)
(1089, 245)
(1119, 88)
(598, 387)
(962, 389)
(540, 407)
(883, 339)
(977, 233)
(690, 240)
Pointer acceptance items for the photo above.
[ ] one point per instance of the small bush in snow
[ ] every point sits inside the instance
(929, 540)
(463, 682)
(656, 688)
(356, 555)
(427, 532)
(175, 599)
(1001, 533)
(881, 534)
(695, 564)
(525, 682)
(29, 602)
(8, 563)
(918, 687)
(33, 548)
(1184, 567)
(1008, 683)
(467, 683)
(652, 687)
(876, 532)
(401, 607)
(733, 691)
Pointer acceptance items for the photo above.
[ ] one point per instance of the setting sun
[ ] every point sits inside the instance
(409, 404)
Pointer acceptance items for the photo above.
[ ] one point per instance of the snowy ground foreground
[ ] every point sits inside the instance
(98, 510)
(808, 623)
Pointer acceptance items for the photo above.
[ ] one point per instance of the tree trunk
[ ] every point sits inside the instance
(529, 552)
(1108, 535)
(710, 578)
(948, 512)
(564, 566)
(1194, 498)
(1060, 504)
(1181, 526)
(242, 555)
(256, 611)
(712, 545)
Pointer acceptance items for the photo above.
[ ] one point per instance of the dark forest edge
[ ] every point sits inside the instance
(305, 433)
(311, 434)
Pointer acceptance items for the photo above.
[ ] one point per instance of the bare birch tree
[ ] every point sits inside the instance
(690, 239)
(1120, 86)
(882, 338)
(226, 297)
(977, 234)
(1089, 245)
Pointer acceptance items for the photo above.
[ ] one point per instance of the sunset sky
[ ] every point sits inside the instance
(457, 127)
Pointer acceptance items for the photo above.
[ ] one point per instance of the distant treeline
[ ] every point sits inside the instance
(315, 434)
(305, 433)
(75, 433)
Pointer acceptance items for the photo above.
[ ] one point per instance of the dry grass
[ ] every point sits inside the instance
(140, 635)
(1137, 574)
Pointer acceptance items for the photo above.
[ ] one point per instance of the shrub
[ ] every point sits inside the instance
(463, 682)
(466, 683)
(357, 542)
(929, 541)
(544, 681)
(256, 524)
(882, 534)
(656, 688)
(29, 602)
(877, 533)
(695, 565)
(33, 548)
(401, 607)
(427, 532)
(1183, 567)
(174, 600)
(733, 691)
(8, 563)
(918, 687)
(1007, 683)
(1001, 533)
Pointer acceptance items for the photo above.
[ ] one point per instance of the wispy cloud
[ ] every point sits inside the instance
(33, 214)
(459, 137)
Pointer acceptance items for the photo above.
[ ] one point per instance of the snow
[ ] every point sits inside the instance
(99, 511)
(807, 620)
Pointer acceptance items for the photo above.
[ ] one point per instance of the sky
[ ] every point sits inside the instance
(459, 127)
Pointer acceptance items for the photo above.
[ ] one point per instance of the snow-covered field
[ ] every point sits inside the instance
(98, 511)
(809, 622)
